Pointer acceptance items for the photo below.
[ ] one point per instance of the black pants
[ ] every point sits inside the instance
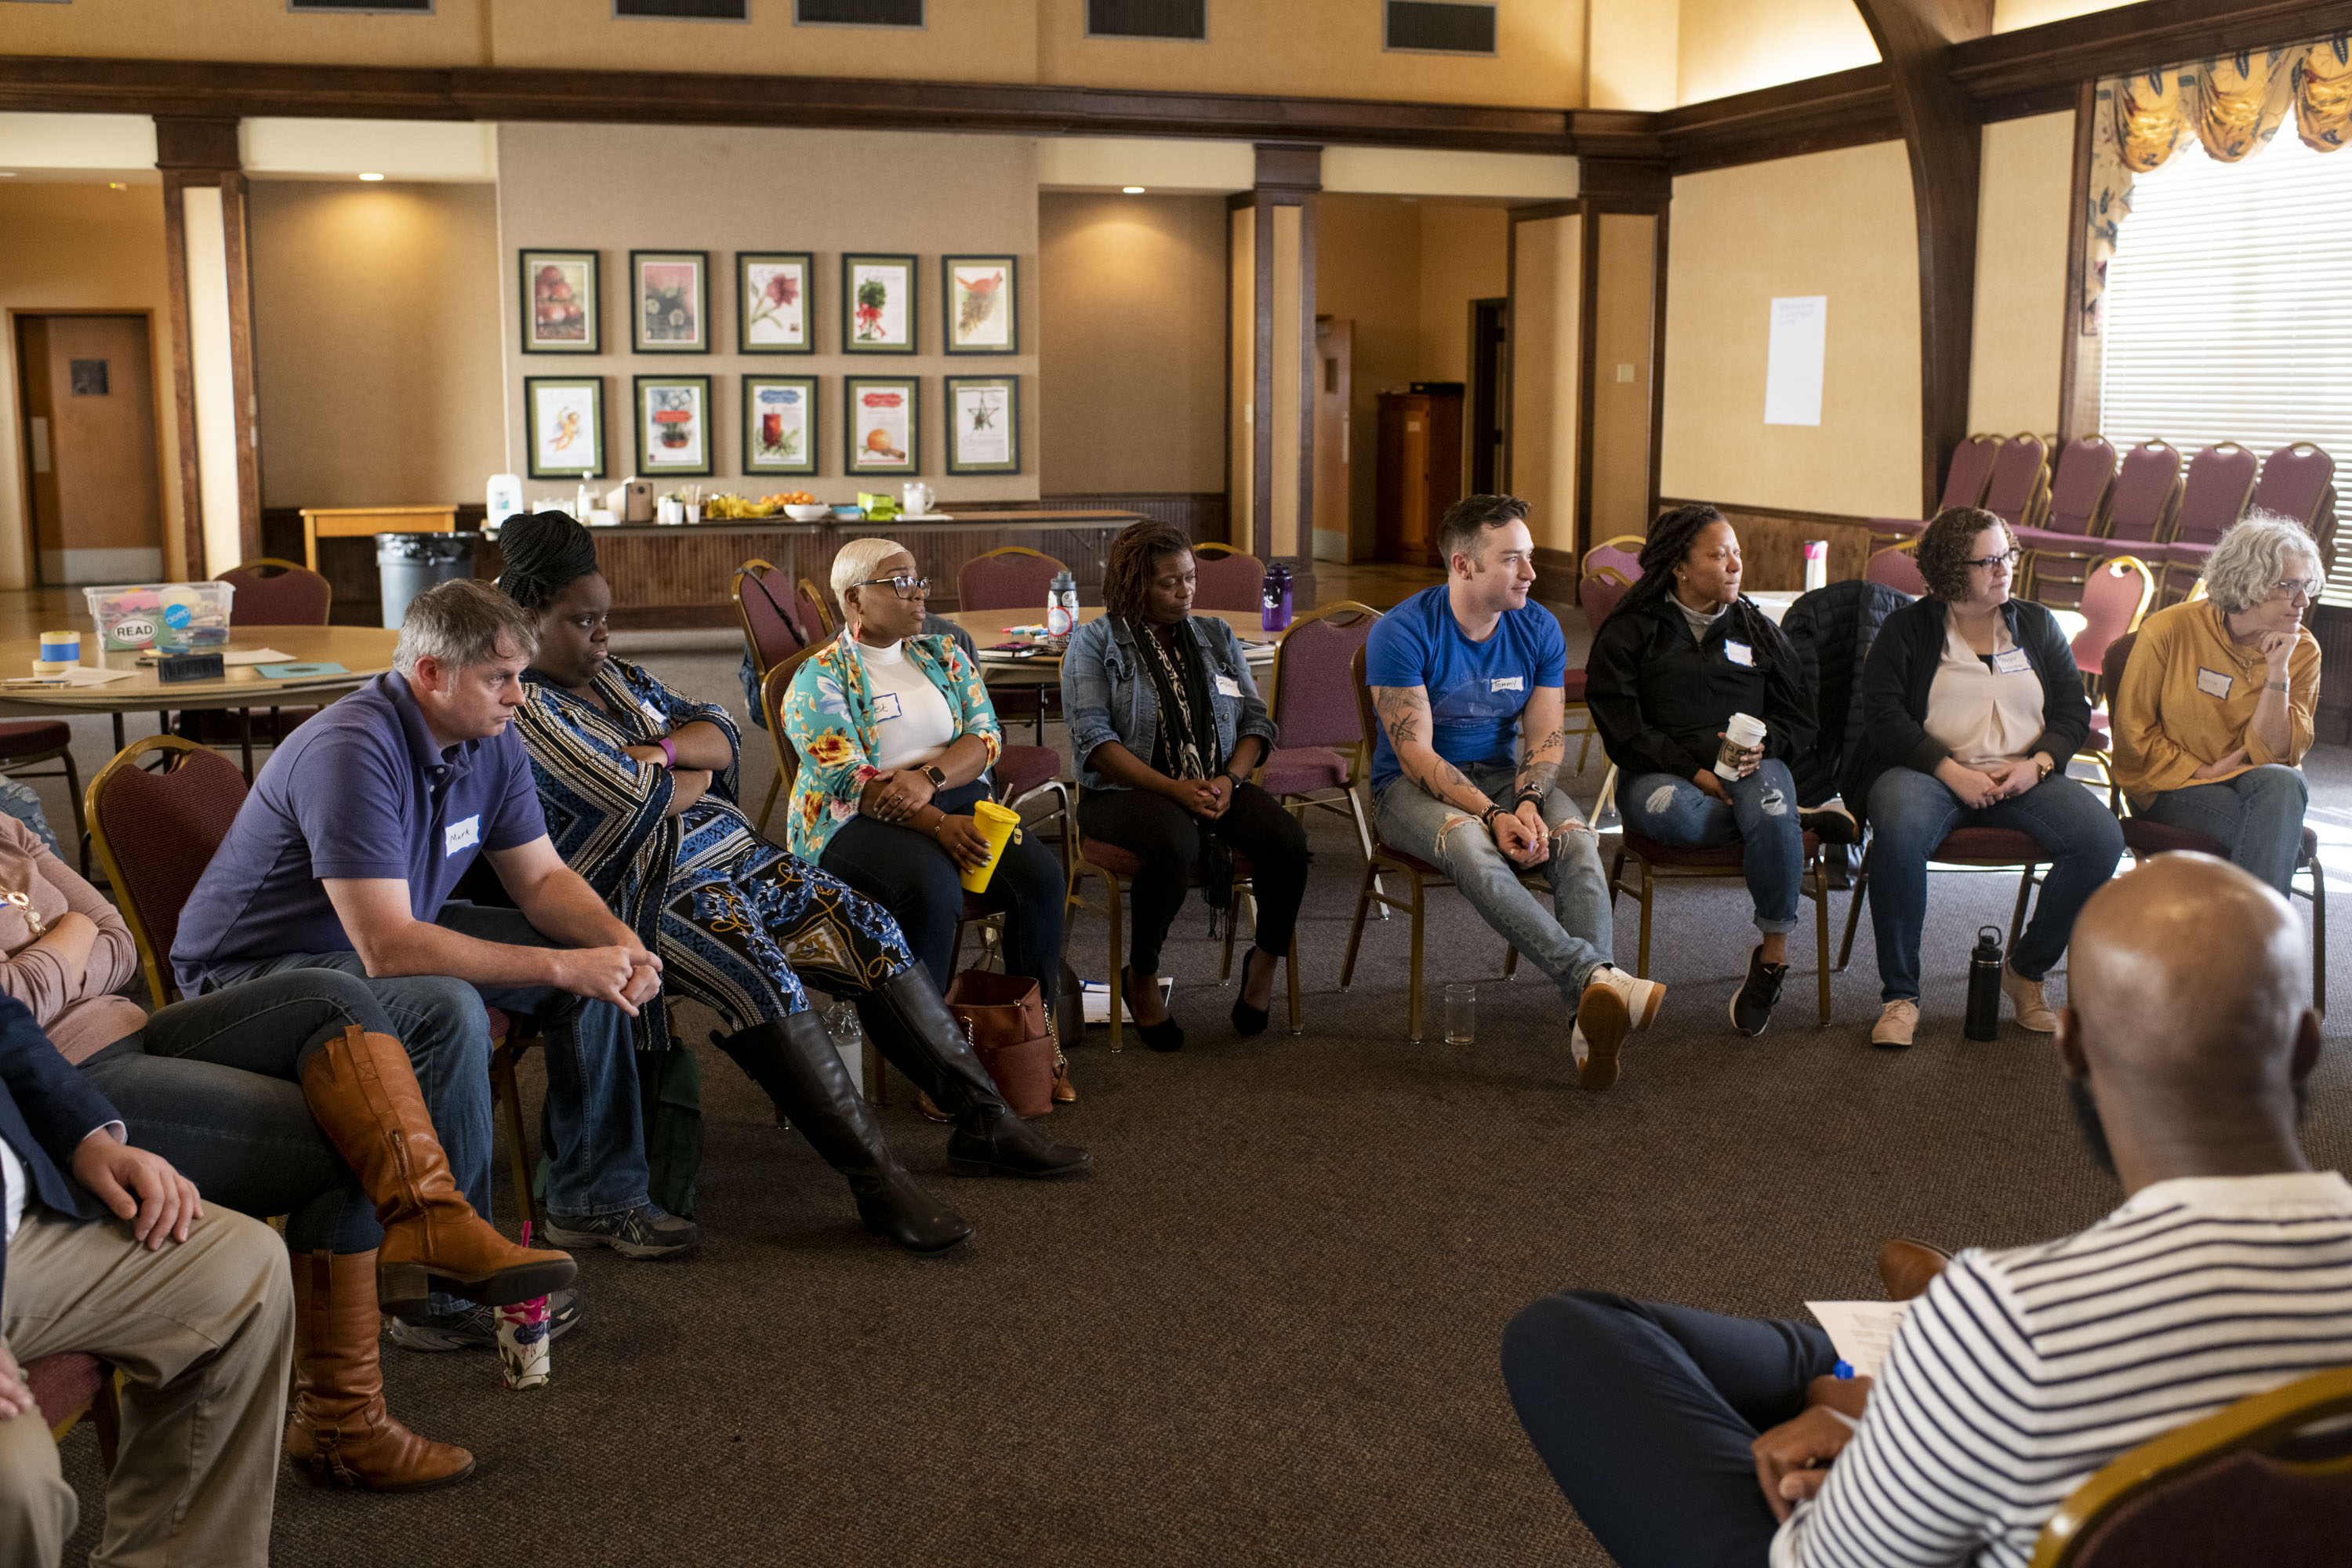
(1644, 1411)
(907, 873)
(1167, 839)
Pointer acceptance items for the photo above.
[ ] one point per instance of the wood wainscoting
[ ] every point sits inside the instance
(1772, 548)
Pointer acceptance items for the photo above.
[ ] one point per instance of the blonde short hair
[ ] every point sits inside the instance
(855, 564)
(2250, 560)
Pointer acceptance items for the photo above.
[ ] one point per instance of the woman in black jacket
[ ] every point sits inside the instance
(1681, 654)
(1971, 708)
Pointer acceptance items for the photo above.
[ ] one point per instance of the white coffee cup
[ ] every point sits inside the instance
(1743, 733)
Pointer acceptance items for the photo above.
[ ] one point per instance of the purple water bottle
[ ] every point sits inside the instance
(1274, 598)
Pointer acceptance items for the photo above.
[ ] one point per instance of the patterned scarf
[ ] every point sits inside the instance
(1186, 747)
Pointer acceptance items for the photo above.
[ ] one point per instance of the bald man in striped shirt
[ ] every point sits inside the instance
(1688, 1439)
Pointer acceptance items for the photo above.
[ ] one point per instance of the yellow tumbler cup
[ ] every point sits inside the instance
(997, 824)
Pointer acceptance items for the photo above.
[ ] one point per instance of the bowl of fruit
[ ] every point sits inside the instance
(802, 507)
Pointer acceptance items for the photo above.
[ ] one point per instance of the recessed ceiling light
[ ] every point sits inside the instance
(117, 186)
(7, 173)
(1131, 189)
(371, 177)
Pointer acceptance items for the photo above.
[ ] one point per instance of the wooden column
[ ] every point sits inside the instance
(1941, 129)
(1281, 373)
(198, 152)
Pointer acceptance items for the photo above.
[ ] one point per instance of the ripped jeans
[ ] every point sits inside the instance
(1762, 818)
(1568, 941)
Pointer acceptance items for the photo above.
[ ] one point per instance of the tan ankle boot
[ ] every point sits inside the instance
(365, 1095)
(341, 1434)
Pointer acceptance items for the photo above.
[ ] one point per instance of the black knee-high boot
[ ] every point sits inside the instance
(904, 1016)
(796, 1063)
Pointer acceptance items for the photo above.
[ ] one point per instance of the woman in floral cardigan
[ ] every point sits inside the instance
(638, 784)
(896, 735)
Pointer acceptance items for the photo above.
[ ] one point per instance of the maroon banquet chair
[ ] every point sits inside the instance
(25, 741)
(1014, 577)
(1896, 566)
(765, 605)
(1228, 579)
(2020, 487)
(270, 592)
(2213, 496)
(1965, 478)
(1621, 554)
(2146, 498)
(69, 1386)
(1325, 758)
(1115, 867)
(2299, 481)
(2060, 552)
(1982, 848)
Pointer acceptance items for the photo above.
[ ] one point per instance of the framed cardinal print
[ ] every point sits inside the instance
(981, 310)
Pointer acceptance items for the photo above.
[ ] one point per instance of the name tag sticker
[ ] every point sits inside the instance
(1739, 653)
(2213, 683)
(1228, 687)
(660, 719)
(1506, 683)
(2012, 661)
(461, 836)
(885, 706)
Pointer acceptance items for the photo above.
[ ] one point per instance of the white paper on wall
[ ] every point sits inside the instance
(1792, 364)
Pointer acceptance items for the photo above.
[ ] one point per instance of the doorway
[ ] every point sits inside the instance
(1490, 326)
(1335, 353)
(86, 385)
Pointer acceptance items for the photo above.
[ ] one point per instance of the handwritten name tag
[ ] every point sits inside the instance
(1506, 683)
(2213, 683)
(885, 706)
(1739, 653)
(461, 836)
(1228, 687)
(2012, 661)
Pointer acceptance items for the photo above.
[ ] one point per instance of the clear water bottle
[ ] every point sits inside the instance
(1062, 606)
(1983, 1021)
(1274, 598)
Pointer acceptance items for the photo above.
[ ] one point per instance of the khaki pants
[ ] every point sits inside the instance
(202, 1331)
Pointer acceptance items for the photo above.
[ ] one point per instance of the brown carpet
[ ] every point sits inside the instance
(1264, 1330)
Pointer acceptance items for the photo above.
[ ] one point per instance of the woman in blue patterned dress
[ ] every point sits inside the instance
(639, 783)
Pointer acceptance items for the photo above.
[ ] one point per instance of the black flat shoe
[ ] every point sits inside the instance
(1248, 1020)
(1166, 1035)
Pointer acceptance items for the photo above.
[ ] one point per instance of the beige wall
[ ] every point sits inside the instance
(1624, 339)
(82, 247)
(1369, 270)
(725, 190)
(1130, 344)
(1736, 46)
(375, 334)
(1464, 256)
(2009, 15)
(2023, 202)
(1549, 273)
(1837, 223)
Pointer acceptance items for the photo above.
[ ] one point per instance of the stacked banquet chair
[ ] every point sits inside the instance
(2019, 490)
(2144, 836)
(2146, 499)
(2221, 483)
(2059, 554)
(2299, 481)
(1227, 578)
(1965, 478)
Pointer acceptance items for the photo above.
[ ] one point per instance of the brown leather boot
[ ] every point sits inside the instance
(365, 1095)
(1908, 1267)
(341, 1434)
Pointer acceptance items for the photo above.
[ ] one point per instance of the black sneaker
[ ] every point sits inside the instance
(1830, 822)
(1751, 1009)
(646, 1231)
(476, 1327)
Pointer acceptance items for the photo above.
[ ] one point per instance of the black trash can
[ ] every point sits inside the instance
(409, 563)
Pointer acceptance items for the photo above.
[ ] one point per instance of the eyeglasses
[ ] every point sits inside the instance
(2306, 588)
(905, 587)
(1990, 562)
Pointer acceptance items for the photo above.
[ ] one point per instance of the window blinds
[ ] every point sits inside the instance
(2229, 313)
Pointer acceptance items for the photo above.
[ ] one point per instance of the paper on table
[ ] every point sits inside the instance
(83, 674)
(1862, 1331)
(256, 655)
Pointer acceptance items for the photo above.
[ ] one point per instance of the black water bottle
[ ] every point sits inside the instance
(1984, 986)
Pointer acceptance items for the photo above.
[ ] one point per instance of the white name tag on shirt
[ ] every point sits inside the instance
(1739, 653)
(461, 836)
(1506, 683)
(2012, 661)
(2213, 683)
(885, 706)
(1228, 687)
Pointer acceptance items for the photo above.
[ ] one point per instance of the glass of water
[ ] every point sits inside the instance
(1461, 1014)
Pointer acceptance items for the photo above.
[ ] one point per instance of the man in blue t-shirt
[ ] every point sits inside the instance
(344, 856)
(1461, 674)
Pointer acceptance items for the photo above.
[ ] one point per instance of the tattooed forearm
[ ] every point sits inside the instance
(1538, 778)
(1400, 715)
(1550, 749)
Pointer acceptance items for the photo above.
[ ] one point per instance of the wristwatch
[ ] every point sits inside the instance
(939, 780)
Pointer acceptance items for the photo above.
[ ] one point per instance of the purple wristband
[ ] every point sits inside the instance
(668, 751)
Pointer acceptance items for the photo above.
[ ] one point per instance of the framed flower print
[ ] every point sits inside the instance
(673, 425)
(672, 302)
(779, 425)
(563, 426)
(878, 304)
(878, 418)
(772, 302)
(983, 424)
(562, 300)
(979, 295)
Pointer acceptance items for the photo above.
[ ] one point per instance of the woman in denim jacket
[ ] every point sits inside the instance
(1167, 726)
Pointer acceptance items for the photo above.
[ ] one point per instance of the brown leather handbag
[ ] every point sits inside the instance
(1005, 1018)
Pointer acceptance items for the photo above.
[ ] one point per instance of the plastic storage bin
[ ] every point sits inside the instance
(161, 615)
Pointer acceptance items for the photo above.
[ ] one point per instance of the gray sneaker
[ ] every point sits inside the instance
(476, 1327)
(646, 1231)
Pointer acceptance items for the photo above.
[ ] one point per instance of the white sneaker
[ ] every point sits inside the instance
(1895, 1024)
(2025, 996)
(1615, 1003)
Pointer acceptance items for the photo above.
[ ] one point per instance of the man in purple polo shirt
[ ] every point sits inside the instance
(344, 856)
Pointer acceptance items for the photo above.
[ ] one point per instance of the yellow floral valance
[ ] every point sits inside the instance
(2232, 106)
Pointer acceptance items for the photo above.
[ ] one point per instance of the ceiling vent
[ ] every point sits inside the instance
(1147, 20)
(859, 13)
(364, 8)
(1429, 26)
(684, 10)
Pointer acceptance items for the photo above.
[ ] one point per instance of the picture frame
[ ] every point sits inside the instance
(878, 304)
(979, 304)
(773, 310)
(673, 425)
(881, 423)
(780, 423)
(563, 426)
(983, 415)
(669, 297)
(562, 301)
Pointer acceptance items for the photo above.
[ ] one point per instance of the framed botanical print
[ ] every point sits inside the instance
(878, 304)
(983, 424)
(562, 301)
(979, 295)
(772, 302)
(779, 425)
(673, 425)
(878, 417)
(563, 426)
(673, 305)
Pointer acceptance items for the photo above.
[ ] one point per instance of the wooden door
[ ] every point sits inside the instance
(1405, 520)
(89, 434)
(1334, 343)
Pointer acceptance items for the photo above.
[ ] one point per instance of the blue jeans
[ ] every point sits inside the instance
(1910, 812)
(2259, 815)
(1644, 1413)
(1762, 817)
(1567, 941)
(213, 1085)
